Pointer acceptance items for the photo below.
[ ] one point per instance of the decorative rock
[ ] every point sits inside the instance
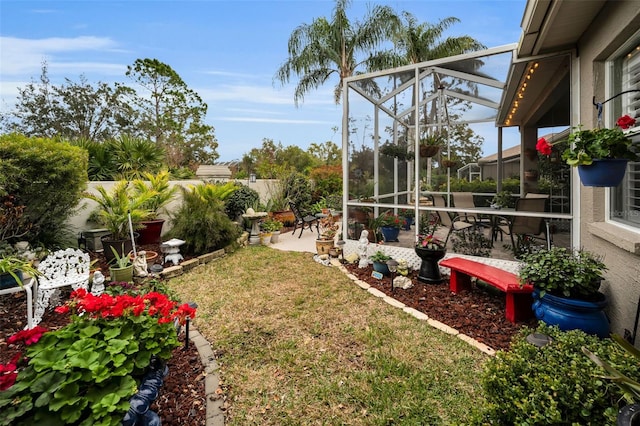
(402, 282)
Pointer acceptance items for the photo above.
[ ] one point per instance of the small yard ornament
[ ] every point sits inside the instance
(363, 245)
(403, 267)
(140, 265)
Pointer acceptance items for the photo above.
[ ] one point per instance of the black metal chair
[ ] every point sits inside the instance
(303, 219)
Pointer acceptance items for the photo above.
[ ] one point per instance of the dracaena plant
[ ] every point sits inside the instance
(86, 372)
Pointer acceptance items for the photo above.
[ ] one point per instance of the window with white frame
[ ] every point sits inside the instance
(625, 77)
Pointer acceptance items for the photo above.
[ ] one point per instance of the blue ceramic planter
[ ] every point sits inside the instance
(408, 221)
(7, 280)
(381, 267)
(572, 314)
(390, 233)
(139, 413)
(606, 172)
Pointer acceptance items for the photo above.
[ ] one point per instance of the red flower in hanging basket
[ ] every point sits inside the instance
(543, 147)
(625, 122)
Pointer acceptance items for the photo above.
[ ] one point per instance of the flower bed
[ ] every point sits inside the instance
(86, 372)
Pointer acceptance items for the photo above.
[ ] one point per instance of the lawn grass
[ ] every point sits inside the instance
(300, 343)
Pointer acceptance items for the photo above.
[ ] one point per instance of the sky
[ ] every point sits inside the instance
(227, 51)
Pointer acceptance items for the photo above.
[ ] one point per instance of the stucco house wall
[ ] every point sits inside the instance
(620, 246)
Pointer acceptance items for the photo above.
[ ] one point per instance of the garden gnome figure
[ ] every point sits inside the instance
(97, 285)
(140, 265)
(363, 245)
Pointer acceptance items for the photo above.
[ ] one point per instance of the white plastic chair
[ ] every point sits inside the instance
(69, 267)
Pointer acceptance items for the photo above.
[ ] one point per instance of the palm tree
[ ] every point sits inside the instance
(323, 48)
(419, 42)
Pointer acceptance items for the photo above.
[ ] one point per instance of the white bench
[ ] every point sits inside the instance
(69, 267)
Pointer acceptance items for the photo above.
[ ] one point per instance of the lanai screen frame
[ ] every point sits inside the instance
(445, 68)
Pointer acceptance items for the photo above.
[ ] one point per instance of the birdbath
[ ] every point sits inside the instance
(254, 217)
(171, 250)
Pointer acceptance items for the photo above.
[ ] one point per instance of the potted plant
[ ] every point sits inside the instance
(399, 151)
(157, 193)
(115, 207)
(566, 287)
(390, 225)
(501, 199)
(431, 144)
(408, 215)
(430, 249)
(601, 155)
(12, 269)
(121, 267)
(274, 226)
(328, 230)
(379, 259)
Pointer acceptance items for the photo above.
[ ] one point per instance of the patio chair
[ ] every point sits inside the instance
(519, 228)
(303, 219)
(456, 224)
(464, 200)
(69, 267)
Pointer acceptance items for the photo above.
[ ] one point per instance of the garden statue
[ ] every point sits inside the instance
(97, 283)
(140, 265)
(363, 245)
(403, 267)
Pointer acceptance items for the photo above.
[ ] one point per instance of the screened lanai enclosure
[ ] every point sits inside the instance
(413, 144)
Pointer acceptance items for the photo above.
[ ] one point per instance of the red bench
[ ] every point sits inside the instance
(519, 298)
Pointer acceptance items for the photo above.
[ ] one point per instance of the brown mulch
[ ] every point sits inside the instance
(478, 313)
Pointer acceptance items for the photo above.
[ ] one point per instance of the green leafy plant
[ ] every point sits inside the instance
(115, 206)
(85, 372)
(502, 199)
(202, 223)
(563, 272)
(473, 243)
(380, 256)
(271, 225)
(588, 145)
(161, 192)
(391, 220)
(630, 387)
(15, 266)
(554, 384)
(120, 261)
(242, 198)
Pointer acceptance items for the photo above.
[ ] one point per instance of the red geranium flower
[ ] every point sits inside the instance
(29, 337)
(543, 147)
(626, 122)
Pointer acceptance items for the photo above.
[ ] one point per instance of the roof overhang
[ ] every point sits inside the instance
(550, 32)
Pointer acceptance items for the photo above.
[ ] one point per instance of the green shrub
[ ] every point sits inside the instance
(48, 178)
(555, 384)
(239, 200)
(202, 223)
(298, 190)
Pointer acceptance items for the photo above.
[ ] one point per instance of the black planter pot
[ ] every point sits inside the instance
(122, 247)
(429, 270)
(7, 280)
(629, 415)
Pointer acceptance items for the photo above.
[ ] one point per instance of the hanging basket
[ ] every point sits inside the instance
(428, 150)
(606, 172)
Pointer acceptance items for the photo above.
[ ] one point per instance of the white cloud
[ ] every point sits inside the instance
(20, 56)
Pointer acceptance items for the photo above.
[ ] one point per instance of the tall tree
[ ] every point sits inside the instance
(172, 115)
(71, 110)
(328, 153)
(324, 48)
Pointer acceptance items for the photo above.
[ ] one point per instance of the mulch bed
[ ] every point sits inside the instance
(478, 313)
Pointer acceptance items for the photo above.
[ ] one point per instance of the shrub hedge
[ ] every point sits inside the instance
(48, 178)
(555, 384)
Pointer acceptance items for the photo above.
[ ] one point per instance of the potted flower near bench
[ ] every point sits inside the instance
(566, 289)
